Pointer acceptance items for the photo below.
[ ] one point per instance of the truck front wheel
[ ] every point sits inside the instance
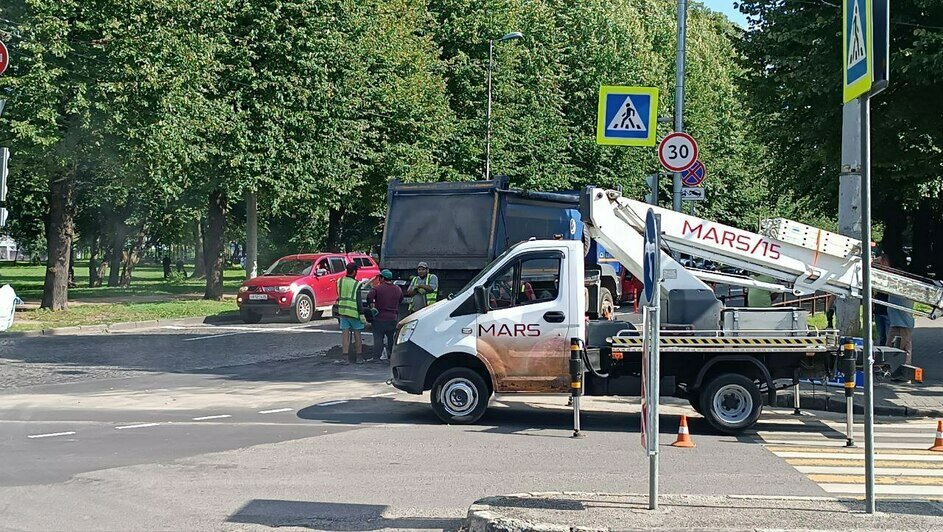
(460, 396)
(731, 403)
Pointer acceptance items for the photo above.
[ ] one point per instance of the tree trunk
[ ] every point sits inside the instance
(252, 235)
(59, 233)
(334, 229)
(134, 256)
(924, 226)
(72, 283)
(119, 237)
(199, 266)
(895, 221)
(215, 244)
(94, 280)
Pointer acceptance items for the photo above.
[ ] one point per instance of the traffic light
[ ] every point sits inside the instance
(652, 196)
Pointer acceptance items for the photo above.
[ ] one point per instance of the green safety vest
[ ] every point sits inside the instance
(431, 297)
(348, 291)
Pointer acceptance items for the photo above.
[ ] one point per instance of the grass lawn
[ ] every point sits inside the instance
(147, 280)
(150, 297)
(96, 314)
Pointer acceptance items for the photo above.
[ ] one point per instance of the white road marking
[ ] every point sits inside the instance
(884, 489)
(860, 456)
(275, 411)
(332, 403)
(387, 394)
(50, 435)
(138, 426)
(878, 471)
(204, 418)
(810, 436)
(832, 442)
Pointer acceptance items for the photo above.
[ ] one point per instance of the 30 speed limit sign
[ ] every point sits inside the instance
(677, 152)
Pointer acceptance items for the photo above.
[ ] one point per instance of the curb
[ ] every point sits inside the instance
(124, 326)
(836, 403)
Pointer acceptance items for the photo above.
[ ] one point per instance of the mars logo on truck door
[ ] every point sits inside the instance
(513, 329)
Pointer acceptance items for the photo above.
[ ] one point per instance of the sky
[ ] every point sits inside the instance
(726, 7)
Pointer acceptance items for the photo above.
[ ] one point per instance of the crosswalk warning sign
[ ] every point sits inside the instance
(857, 44)
(627, 116)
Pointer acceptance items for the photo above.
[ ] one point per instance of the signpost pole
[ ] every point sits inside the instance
(679, 95)
(651, 340)
(866, 302)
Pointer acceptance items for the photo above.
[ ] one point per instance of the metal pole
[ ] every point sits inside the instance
(796, 411)
(654, 384)
(866, 302)
(488, 133)
(679, 95)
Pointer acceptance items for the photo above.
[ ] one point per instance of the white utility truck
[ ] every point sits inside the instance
(509, 329)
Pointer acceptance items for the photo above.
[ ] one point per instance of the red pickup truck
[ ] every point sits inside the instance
(302, 286)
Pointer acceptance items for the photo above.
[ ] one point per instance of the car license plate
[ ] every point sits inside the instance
(258, 296)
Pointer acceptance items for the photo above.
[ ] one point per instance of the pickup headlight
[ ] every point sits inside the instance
(406, 332)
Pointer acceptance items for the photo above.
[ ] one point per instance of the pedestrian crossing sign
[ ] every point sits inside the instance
(627, 116)
(857, 48)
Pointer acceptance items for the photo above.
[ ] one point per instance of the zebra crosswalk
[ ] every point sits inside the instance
(817, 448)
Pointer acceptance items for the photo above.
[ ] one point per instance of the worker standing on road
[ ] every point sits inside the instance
(348, 293)
(423, 289)
(759, 298)
(902, 325)
(385, 299)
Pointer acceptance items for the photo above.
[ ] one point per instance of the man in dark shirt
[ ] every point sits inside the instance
(384, 299)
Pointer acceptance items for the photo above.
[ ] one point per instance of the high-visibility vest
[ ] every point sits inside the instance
(431, 297)
(348, 292)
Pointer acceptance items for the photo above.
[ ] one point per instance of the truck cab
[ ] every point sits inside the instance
(507, 330)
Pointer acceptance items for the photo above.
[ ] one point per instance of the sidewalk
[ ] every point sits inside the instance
(890, 398)
(598, 511)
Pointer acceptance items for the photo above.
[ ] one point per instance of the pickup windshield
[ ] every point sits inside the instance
(289, 267)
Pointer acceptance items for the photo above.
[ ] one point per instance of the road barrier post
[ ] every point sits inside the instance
(576, 384)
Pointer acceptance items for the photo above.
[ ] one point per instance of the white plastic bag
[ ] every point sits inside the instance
(8, 303)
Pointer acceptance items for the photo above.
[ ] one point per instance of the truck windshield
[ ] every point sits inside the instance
(289, 267)
(485, 270)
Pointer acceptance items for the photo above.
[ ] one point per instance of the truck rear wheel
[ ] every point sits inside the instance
(731, 403)
(460, 396)
(607, 306)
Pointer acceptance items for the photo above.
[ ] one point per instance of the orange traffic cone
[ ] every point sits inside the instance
(938, 443)
(684, 437)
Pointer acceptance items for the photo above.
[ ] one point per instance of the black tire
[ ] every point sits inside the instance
(606, 303)
(731, 403)
(250, 317)
(303, 309)
(695, 399)
(460, 396)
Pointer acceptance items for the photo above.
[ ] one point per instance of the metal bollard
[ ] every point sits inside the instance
(848, 364)
(795, 399)
(576, 384)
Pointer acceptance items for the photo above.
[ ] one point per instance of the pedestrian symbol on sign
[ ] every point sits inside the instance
(627, 117)
(856, 52)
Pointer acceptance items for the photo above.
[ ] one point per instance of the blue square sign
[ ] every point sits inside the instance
(627, 116)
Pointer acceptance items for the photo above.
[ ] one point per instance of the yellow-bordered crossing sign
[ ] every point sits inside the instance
(627, 116)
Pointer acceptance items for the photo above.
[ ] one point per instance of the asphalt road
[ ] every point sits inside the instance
(244, 426)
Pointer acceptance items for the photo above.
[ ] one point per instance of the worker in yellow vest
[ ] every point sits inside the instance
(351, 321)
(423, 289)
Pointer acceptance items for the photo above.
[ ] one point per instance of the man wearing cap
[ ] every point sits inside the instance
(423, 289)
(384, 301)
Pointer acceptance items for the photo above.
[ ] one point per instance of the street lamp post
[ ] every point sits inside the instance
(509, 37)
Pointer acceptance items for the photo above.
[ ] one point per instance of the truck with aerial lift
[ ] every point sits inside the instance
(509, 330)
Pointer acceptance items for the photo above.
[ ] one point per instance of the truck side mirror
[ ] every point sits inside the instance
(481, 300)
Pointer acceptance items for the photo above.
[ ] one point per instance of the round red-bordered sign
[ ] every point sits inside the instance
(4, 57)
(677, 152)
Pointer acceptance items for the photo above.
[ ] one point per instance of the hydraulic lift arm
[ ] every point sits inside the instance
(806, 257)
